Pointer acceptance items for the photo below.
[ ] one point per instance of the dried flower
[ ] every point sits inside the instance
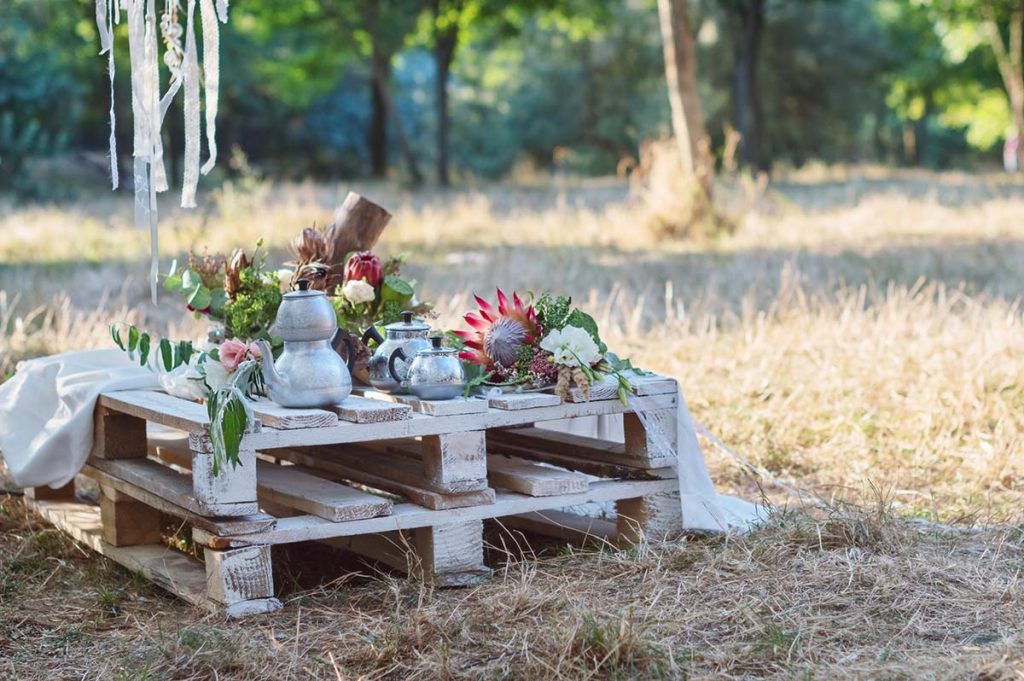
(311, 246)
(208, 267)
(233, 271)
(544, 369)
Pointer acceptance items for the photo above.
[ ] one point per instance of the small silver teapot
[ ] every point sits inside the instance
(436, 373)
(388, 367)
(309, 373)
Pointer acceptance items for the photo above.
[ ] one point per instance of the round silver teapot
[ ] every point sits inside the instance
(309, 373)
(388, 367)
(436, 373)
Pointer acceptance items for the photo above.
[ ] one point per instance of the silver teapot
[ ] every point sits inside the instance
(388, 367)
(309, 373)
(436, 373)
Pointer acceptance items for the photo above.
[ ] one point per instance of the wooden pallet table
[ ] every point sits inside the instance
(402, 481)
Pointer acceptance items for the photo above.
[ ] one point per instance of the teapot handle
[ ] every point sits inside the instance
(340, 339)
(372, 334)
(398, 354)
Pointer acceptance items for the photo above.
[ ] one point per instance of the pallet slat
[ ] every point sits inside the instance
(412, 516)
(161, 481)
(172, 570)
(357, 409)
(283, 418)
(296, 488)
(225, 526)
(158, 407)
(520, 401)
(578, 446)
(453, 407)
(527, 477)
(358, 468)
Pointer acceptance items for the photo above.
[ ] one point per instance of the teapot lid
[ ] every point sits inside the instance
(436, 347)
(407, 324)
(303, 291)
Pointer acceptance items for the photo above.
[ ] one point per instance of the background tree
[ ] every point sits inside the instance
(684, 100)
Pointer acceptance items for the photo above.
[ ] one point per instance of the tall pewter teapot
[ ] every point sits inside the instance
(309, 373)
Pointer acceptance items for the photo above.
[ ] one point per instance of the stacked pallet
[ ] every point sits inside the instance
(403, 481)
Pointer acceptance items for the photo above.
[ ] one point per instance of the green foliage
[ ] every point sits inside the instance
(575, 85)
(139, 345)
(253, 309)
(552, 311)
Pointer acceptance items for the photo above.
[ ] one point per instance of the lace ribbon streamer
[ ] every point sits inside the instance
(149, 108)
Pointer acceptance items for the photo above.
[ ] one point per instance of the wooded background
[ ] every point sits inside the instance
(449, 91)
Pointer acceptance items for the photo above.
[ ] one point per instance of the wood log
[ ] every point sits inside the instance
(358, 224)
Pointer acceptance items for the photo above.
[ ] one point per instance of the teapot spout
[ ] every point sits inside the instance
(273, 379)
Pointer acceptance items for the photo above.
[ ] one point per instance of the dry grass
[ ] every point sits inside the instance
(858, 335)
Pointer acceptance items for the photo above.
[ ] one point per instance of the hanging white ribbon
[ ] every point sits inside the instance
(190, 70)
(149, 108)
(211, 77)
(105, 25)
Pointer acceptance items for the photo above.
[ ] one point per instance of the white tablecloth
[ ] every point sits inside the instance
(46, 411)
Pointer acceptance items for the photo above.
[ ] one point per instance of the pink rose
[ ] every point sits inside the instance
(232, 353)
(254, 351)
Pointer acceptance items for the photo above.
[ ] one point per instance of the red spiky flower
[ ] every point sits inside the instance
(498, 333)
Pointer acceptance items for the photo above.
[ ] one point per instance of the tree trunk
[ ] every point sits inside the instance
(415, 176)
(444, 51)
(380, 80)
(749, 115)
(1010, 59)
(681, 75)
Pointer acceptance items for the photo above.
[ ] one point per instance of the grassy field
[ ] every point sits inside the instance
(858, 336)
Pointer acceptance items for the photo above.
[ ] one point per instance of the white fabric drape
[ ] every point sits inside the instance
(703, 508)
(46, 411)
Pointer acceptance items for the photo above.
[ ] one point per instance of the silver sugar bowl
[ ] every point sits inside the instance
(388, 367)
(436, 373)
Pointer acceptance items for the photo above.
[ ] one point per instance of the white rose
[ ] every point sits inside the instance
(284, 278)
(358, 291)
(571, 346)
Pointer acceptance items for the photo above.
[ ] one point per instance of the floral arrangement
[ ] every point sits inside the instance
(538, 343)
(237, 290)
(225, 377)
(372, 291)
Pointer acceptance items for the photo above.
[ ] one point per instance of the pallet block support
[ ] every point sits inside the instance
(127, 521)
(453, 554)
(235, 576)
(226, 493)
(117, 435)
(455, 457)
(644, 445)
(65, 493)
(652, 518)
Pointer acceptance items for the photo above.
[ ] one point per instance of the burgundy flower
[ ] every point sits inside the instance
(364, 265)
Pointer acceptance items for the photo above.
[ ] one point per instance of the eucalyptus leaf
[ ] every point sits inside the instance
(115, 333)
(144, 341)
(166, 354)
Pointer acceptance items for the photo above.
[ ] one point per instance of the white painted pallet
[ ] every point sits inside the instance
(331, 475)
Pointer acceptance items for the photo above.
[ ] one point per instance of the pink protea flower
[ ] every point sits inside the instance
(364, 265)
(498, 332)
